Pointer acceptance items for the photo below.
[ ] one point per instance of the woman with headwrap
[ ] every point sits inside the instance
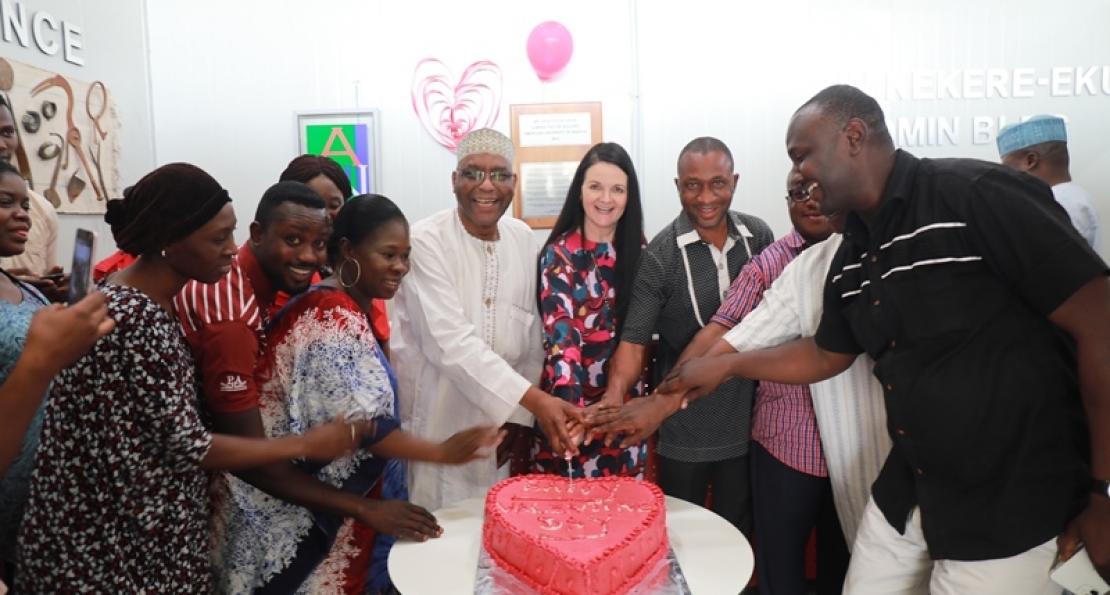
(119, 499)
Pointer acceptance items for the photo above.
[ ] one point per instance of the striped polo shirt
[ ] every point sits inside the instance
(223, 324)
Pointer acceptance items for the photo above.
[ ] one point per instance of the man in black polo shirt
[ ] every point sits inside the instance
(988, 317)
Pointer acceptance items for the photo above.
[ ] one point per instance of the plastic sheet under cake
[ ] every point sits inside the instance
(665, 579)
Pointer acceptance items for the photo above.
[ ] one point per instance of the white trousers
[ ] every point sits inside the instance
(887, 563)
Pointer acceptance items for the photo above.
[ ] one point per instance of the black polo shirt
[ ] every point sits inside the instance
(949, 291)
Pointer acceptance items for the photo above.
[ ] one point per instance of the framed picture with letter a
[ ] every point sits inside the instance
(350, 137)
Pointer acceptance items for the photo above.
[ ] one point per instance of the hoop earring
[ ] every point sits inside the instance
(358, 273)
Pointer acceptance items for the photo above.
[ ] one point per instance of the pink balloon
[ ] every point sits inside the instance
(549, 49)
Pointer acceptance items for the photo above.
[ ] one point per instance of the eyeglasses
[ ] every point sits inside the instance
(801, 194)
(478, 176)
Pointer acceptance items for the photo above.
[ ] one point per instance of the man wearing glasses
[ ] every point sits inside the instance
(683, 276)
(467, 345)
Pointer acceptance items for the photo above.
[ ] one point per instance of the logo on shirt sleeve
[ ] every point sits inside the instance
(233, 384)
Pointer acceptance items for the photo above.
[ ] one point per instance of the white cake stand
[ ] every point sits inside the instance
(714, 556)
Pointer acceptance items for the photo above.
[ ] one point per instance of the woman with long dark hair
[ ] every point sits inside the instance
(26, 369)
(586, 268)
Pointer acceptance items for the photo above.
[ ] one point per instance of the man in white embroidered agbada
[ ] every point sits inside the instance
(466, 345)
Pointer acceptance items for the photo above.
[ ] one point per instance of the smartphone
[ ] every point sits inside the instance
(1078, 575)
(55, 276)
(80, 280)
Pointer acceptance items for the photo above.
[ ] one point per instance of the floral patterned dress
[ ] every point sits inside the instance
(320, 360)
(577, 303)
(118, 499)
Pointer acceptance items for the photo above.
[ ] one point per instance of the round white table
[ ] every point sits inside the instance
(714, 556)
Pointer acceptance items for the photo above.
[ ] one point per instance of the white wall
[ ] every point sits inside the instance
(228, 107)
(727, 70)
(114, 37)
(665, 73)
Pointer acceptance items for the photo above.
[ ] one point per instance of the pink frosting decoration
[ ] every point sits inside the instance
(593, 537)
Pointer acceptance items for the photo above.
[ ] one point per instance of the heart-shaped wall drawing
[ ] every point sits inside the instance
(449, 109)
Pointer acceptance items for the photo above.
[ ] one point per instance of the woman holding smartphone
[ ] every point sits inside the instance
(18, 303)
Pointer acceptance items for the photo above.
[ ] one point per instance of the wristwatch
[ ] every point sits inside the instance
(1100, 487)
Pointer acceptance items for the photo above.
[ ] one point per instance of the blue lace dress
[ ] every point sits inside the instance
(15, 485)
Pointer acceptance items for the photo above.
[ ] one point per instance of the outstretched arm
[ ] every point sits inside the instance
(1086, 317)
(706, 342)
(322, 443)
(800, 361)
(465, 446)
(625, 368)
(797, 362)
(56, 338)
(284, 480)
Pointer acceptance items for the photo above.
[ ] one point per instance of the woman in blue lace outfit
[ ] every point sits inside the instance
(18, 303)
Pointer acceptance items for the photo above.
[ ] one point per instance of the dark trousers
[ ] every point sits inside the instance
(732, 493)
(788, 505)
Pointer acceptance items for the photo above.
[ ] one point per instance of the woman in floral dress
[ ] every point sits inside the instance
(119, 493)
(586, 271)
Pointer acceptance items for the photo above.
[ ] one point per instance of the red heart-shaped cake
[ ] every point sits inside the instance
(587, 537)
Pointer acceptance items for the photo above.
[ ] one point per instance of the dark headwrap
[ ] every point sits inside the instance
(306, 168)
(167, 205)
